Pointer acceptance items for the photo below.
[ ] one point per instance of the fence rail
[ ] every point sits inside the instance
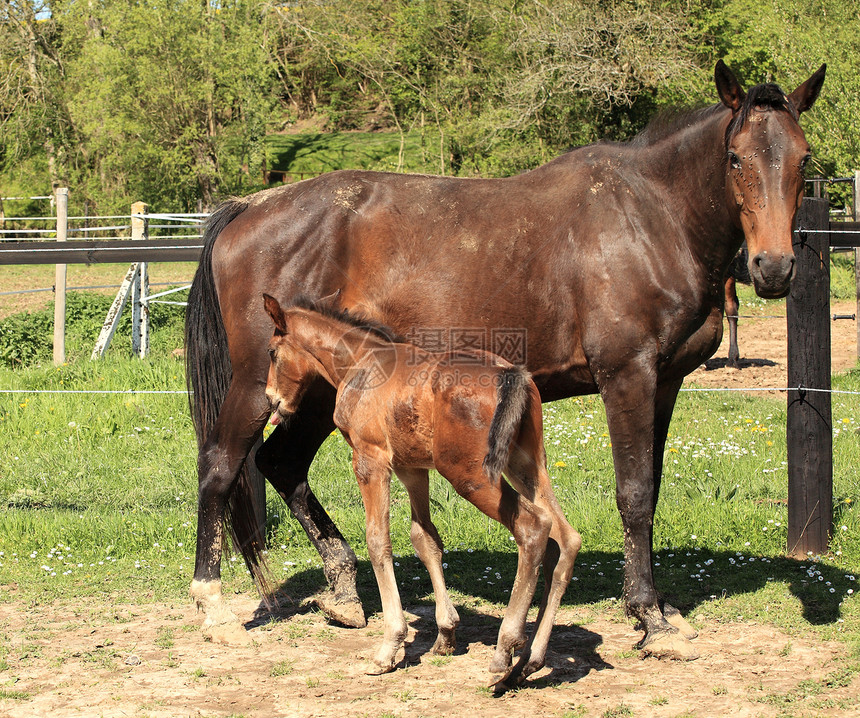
(92, 251)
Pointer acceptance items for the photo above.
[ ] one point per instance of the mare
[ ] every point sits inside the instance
(468, 414)
(601, 271)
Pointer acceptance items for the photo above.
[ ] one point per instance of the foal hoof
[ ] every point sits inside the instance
(346, 612)
(674, 618)
(668, 644)
(444, 645)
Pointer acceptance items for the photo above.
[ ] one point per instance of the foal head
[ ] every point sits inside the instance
(291, 368)
(766, 155)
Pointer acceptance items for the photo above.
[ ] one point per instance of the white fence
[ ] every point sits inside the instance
(25, 236)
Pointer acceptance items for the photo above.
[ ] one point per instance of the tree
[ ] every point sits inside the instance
(33, 114)
(785, 41)
(171, 99)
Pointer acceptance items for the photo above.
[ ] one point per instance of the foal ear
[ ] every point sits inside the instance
(805, 96)
(276, 313)
(731, 93)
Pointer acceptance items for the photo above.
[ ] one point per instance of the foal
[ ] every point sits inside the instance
(469, 414)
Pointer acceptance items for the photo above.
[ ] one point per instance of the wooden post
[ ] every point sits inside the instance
(809, 426)
(62, 199)
(857, 258)
(140, 288)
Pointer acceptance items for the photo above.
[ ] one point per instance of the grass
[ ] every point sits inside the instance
(311, 153)
(98, 499)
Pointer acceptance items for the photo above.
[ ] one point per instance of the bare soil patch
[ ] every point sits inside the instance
(763, 347)
(77, 658)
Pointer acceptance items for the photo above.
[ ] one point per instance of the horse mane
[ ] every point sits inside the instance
(767, 96)
(371, 326)
(670, 121)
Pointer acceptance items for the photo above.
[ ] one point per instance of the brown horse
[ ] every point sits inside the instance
(601, 271)
(470, 415)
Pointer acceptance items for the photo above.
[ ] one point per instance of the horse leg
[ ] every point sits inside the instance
(527, 473)
(373, 472)
(666, 398)
(630, 396)
(284, 459)
(732, 307)
(530, 526)
(428, 546)
(220, 459)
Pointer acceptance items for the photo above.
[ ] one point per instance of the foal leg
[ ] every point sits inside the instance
(527, 472)
(284, 459)
(373, 471)
(530, 526)
(428, 546)
(562, 548)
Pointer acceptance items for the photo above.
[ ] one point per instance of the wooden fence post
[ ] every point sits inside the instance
(140, 287)
(809, 432)
(857, 257)
(62, 199)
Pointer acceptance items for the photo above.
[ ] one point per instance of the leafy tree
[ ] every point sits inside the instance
(785, 41)
(171, 99)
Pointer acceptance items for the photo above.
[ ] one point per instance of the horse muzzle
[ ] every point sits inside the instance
(772, 274)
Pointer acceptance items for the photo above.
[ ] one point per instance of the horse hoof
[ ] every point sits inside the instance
(674, 618)
(348, 613)
(229, 634)
(377, 669)
(501, 664)
(669, 644)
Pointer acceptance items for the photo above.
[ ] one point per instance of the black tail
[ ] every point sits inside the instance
(513, 396)
(208, 372)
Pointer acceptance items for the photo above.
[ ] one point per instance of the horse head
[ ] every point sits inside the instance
(766, 153)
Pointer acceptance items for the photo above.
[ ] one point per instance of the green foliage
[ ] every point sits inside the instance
(27, 338)
(785, 41)
(172, 102)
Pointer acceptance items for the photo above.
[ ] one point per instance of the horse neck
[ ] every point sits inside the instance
(691, 163)
(335, 346)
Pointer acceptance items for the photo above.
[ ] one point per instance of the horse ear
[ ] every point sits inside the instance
(276, 313)
(805, 96)
(731, 93)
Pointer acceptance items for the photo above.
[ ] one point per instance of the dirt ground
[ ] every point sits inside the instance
(122, 660)
(762, 344)
(80, 658)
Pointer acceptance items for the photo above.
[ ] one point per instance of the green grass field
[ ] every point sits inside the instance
(98, 497)
(312, 153)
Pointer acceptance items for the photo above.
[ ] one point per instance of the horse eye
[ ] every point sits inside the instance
(734, 161)
(804, 162)
(272, 353)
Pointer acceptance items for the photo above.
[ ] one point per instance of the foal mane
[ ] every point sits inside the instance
(371, 326)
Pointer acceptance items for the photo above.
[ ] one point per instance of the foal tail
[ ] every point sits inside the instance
(513, 399)
(208, 372)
